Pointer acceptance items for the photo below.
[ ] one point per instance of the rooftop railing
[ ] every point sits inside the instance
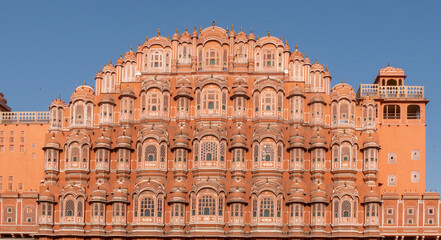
(24, 117)
(375, 90)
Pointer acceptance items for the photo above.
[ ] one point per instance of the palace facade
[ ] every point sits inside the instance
(218, 134)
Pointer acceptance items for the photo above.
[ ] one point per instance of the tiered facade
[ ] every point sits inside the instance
(224, 134)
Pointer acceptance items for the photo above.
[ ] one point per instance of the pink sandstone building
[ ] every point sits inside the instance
(218, 134)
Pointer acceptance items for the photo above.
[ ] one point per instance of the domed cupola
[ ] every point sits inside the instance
(317, 98)
(124, 139)
(127, 92)
(241, 36)
(82, 92)
(343, 90)
(371, 141)
(296, 139)
(296, 91)
(185, 37)
(175, 36)
(318, 195)
(107, 99)
(318, 140)
(129, 56)
(251, 35)
(297, 192)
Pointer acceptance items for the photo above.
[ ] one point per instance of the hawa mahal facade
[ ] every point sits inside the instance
(218, 134)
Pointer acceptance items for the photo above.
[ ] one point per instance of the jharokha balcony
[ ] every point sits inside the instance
(376, 90)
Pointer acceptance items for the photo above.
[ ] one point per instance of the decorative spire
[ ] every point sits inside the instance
(281, 38)
(296, 47)
(327, 68)
(120, 55)
(186, 29)
(130, 47)
(176, 31)
(200, 29)
(194, 27)
(241, 29)
(388, 64)
(268, 33)
(146, 38)
(316, 61)
(159, 32)
(110, 62)
(341, 80)
(306, 55)
(84, 83)
(212, 22)
(232, 27)
(251, 30)
(286, 42)
(227, 29)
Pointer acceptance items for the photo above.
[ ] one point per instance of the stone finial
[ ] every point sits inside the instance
(227, 29)
(194, 28)
(306, 55)
(130, 47)
(176, 31)
(296, 47)
(213, 23)
(146, 38)
(251, 30)
(268, 33)
(327, 68)
(200, 29)
(316, 61)
(186, 29)
(341, 80)
(159, 32)
(281, 38)
(241, 29)
(388, 64)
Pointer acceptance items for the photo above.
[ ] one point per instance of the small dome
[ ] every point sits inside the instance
(185, 37)
(58, 103)
(130, 55)
(119, 62)
(82, 92)
(109, 68)
(99, 74)
(296, 91)
(317, 140)
(175, 36)
(241, 36)
(107, 99)
(391, 71)
(317, 98)
(47, 196)
(251, 35)
(127, 92)
(343, 89)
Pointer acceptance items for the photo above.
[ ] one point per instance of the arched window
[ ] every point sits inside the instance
(211, 99)
(209, 151)
(150, 153)
(266, 207)
(269, 58)
(154, 102)
(336, 209)
(147, 207)
(267, 152)
(156, 60)
(346, 209)
(344, 111)
(80, 208)
(391, 112)
(413, 112)
(207, 205)
(70, 208)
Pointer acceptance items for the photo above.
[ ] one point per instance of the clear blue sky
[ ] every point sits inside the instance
(46, 47)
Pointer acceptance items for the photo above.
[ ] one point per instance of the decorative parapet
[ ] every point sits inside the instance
(24, 117)
(375, 90)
